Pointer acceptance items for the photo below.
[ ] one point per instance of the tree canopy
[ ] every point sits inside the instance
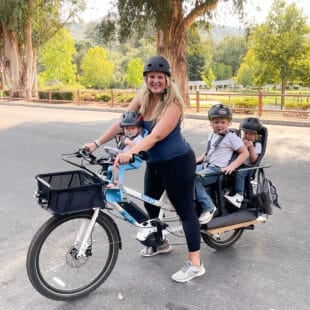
(24, 26)
(170, 21)
(57, 58)
(281, 46)
(97, 69)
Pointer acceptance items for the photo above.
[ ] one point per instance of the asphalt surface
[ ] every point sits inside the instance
(268, 268)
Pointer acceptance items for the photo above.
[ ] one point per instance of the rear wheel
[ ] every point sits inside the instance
(222, 240)
(53, 266)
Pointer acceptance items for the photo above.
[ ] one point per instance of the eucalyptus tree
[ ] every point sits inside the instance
(24, 26)
(168, 20)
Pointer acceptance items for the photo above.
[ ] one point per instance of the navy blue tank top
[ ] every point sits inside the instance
(172, 146)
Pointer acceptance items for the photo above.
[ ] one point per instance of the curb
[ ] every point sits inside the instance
(267, 121)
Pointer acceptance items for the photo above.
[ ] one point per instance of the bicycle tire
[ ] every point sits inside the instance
(52, 268)
(222, 240)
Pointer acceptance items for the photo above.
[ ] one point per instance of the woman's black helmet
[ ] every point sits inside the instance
(158, 64)
(252, 124)
(219, 110)
(130, 118)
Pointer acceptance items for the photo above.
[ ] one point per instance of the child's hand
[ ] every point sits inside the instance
(248, 143)
(229, 169)
(126, 141)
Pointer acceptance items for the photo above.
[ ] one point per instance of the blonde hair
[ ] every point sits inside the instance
(171, 95)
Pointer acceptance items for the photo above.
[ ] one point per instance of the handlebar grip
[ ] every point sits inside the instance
(142, 155)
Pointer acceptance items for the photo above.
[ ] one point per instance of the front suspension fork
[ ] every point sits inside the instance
(84, 234)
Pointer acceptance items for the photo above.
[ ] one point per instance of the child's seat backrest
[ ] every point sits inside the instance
(263, 137)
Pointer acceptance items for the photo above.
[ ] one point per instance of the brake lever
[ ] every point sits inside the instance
(87, 155)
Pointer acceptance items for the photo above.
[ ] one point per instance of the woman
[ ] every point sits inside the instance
(171, 161)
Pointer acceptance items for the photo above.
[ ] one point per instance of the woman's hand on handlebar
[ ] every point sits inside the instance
(91, 146)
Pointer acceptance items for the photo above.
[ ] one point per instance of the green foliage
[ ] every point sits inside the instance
(46, 17)
(81, 50)
(304, 105)
(124, 98)
(242, 102)
(134, 75)
(247, 70)
(61, 95)
(230, 52)
(209, 77)
(281, 42)
(222, 71)
(97, 69)
(56, 58)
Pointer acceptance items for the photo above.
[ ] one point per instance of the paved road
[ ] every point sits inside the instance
(268, 268)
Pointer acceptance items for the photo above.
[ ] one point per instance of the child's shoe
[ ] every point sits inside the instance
(206, 217)
(235, 200)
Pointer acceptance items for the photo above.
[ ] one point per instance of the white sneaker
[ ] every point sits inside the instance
(188, 272)
(206, 217)
(236, 200)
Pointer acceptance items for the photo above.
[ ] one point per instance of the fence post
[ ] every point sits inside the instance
(78, 96)
(11, 94)
(49, 96)
(197, 101)
(112, 98)
(260, 103)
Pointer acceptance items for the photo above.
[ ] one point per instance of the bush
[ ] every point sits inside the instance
(297, 105)
(242, 102)
(57, 95)
(103, 97)
(123, 98)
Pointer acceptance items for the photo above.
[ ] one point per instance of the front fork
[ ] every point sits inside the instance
(84, 234)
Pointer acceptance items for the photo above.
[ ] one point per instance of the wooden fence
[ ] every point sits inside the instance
(199, 101)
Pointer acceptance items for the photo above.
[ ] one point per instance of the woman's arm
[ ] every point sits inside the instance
(115, 128)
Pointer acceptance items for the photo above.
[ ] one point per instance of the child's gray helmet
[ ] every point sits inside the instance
(219, 110)
(130, 118)
(158, 64)
(252, 124)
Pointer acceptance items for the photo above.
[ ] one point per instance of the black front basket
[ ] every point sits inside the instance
(69, 191)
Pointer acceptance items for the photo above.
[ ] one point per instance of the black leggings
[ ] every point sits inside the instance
(177, 177)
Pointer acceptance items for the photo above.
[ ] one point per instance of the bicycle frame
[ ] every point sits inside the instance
(147, 227)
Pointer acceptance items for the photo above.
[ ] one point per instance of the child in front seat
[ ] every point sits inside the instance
(131, 123)
(251, 128)
(221, 146)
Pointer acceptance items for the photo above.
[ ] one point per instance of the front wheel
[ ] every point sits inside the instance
(53, 265)
(222, 240)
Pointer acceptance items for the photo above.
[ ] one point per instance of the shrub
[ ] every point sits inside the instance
(123, 98)
(242, 102)
(55, 95)
(106, 97)
(297, 105)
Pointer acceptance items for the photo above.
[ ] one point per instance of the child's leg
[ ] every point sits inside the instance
(202, 196)
(240, 181)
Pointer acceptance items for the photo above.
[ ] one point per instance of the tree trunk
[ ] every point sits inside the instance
(19, 64)
(172, 40)
(171, 43)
